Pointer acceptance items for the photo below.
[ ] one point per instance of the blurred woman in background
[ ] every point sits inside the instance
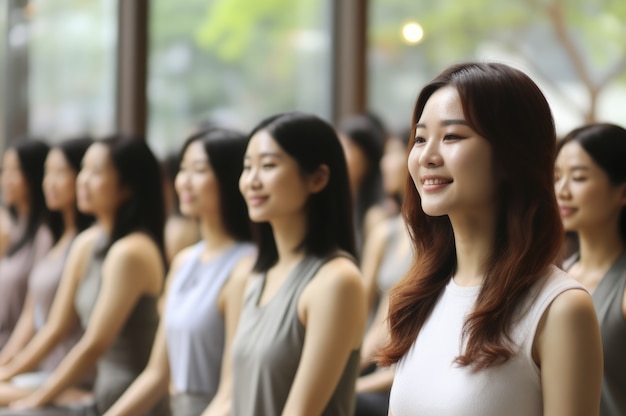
(59, 186)
(189, 344)
(591, 192)
(32, 229)
(387, 256)
(180, 230)
(112, 280)
(363, 139)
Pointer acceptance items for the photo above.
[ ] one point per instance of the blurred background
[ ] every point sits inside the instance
(161, 67)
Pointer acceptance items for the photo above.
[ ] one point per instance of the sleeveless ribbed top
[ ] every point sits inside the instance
(14, 272)
(428, 382)
(194, 326)
(607, 299)
(268, 346)
(42, 287)
(129, 353)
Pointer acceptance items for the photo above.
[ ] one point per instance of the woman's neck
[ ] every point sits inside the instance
(69, 221)
(599, 247)
(22, 210)
(288, 234)
(106, 223)
(474, 241)
(214, 234)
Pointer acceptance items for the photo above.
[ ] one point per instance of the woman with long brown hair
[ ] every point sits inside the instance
(484, 324)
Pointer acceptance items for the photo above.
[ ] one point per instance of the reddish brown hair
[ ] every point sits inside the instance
(504, 106)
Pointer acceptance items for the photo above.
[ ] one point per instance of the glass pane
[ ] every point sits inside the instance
(576, 52)
(234, 62)
(72, 67)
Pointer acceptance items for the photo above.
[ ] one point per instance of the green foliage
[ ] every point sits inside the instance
(580, 43)
(234, 28)
(453, 28)
(172, 21)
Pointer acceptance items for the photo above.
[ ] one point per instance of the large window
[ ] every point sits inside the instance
(60, 61)
(234, 62)
(72, 48)
(575, 50)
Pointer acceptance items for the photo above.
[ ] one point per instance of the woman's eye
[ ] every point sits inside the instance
(418, 140)
(449, 137)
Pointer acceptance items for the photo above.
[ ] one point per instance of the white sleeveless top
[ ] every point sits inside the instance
(428, 382)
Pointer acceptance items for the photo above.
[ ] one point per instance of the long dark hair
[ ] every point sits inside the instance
(225, 149)
(504, 106)
(311, 142)
(403, 135)
(32, 155)
(74, 149)
(144, 210)
(606, 145)
(369, 134)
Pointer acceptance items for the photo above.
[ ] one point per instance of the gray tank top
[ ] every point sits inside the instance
(268, 346)
(194, 326)
(14, 272)
(607, 299)
(42, 286)
(394, 264)
(129, 353)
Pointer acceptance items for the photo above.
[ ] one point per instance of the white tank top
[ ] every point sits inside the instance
(428, 382)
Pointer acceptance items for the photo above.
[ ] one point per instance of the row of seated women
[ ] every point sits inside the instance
(281, 326)
(85, 352)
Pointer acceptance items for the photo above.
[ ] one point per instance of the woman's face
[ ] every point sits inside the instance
(450, 164)
(271, 182)
(394, 166)
(196, 184)
(587, 198)
(59, 182)
(98, 187)
(15, 191)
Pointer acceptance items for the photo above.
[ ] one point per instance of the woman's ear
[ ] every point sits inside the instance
(319, 179)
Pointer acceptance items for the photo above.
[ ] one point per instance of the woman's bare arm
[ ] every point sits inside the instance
(568, 349)
(230, 304)
(62, 317)
(333, 310)
(132, 268)
(22, 333)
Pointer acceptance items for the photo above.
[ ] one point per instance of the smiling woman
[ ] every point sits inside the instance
(189, 346)
(443, 135)
(296, 347)
(482, 301)
(591, 191)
